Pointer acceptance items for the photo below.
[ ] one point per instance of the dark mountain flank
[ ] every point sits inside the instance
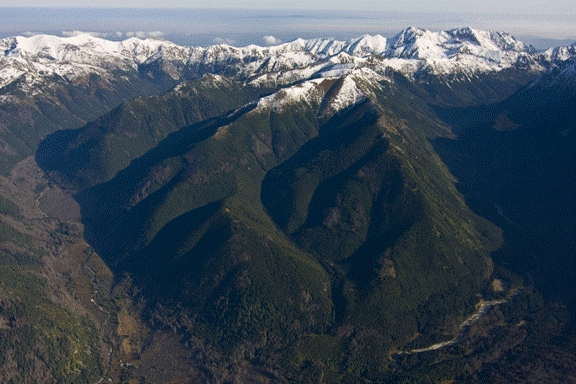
(515, 163)
(265, 228)
(376, 210)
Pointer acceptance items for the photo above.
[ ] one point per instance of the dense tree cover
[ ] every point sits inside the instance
(519, 173)
(309, 246)
(277, 242)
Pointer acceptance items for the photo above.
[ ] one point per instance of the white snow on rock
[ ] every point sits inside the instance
(560, 54)
(367, 45)
(348, 95)
(70, 58)
(354, 87)
(457, 50)
(461, 52)
(306, 92)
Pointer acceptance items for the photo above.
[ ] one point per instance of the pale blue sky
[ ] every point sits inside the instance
(534, 7)
(250, 21)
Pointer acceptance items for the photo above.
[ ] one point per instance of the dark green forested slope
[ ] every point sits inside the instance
(515, 161)
(50, 330)
(27, 119)
(300, 243)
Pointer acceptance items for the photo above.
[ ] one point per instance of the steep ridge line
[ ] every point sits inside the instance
(35, 59)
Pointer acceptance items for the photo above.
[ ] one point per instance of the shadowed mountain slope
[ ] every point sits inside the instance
(284, 219)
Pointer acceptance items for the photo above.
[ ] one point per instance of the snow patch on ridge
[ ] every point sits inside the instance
(307, 92)
(353, 88)
(348, 95)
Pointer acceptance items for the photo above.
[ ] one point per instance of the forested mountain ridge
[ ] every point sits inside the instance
(284, 213)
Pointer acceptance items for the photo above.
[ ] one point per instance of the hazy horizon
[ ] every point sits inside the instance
(239, 27)
(527, 7)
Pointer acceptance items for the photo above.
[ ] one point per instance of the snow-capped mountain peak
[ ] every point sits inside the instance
(460, 51)
(416, 43)
(367, 45)
(561, 54)
(77, 48)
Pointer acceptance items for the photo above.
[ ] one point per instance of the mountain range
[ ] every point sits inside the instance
(314, 211)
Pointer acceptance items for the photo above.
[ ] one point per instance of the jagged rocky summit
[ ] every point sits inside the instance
(465, 52)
